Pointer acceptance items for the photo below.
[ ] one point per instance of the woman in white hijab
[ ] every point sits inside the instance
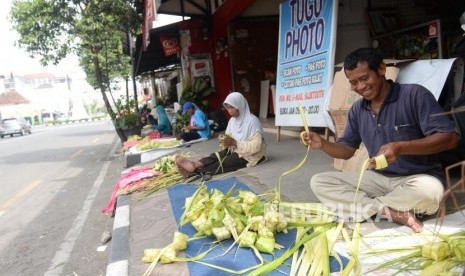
(242, 145)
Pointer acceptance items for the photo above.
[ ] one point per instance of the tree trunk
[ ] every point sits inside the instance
(98, 75)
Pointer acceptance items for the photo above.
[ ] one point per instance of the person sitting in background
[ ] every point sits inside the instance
(163, 123)
(198, 126)
(144, 114)
(243, 143)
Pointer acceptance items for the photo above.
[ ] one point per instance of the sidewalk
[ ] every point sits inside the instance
(135, 221)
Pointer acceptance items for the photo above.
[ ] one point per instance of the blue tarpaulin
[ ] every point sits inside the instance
(236, 259)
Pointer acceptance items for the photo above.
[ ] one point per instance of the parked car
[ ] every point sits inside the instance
(14, 126)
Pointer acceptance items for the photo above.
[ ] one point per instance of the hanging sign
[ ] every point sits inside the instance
(150, 12)
(170, 44)
(307, 30)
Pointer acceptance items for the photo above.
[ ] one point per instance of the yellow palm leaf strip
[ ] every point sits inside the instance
(289, 172)
(381, 163)
(304, 119)
(230, 271)
(362, 172)
(295, 257)
(353, 263)
(270, 266)
(220, 162)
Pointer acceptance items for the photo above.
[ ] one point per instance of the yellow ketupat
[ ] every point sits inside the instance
(265, 244)
(248, 197)
(239, 225)
(275, 221)
(180, 241)
(248, 239)
(150, 254)
(221, 233)
(202, 225)
(168, 255)
(436, 250)
(437, 268)
(458, 247)
(256, 222)
(265, 232)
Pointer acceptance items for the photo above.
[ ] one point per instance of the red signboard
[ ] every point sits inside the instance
(149, 17)
(170, 44)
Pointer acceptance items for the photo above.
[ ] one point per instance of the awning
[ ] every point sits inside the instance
(154, 58)
(190, 8)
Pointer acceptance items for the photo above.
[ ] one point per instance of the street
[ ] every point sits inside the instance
(54, 184)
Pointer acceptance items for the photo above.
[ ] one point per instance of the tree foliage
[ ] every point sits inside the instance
(93, 29)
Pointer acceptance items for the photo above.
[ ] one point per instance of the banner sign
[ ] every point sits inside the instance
(307, 31)
(170, 44)
(150, 12)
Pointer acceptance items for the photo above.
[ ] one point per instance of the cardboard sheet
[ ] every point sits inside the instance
(399, 237)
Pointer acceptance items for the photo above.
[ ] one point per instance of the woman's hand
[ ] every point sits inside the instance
(311, 139)
(227, 141)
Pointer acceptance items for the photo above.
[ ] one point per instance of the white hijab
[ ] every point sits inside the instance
(243, 127)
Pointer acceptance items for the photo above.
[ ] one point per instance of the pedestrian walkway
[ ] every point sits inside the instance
(138, 223)
(284, 155)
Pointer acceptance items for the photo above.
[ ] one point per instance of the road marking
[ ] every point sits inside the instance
(62, 255)
(76, 154)
(18, 196)
(95, 140)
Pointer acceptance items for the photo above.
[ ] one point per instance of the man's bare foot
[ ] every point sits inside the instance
(403, 218)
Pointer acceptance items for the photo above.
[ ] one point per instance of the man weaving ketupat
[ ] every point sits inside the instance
(400, 122)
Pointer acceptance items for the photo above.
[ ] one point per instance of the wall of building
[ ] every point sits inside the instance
(354, 29)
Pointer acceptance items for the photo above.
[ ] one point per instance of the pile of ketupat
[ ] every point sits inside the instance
(133, 138)
(148, 144)
(253, 221)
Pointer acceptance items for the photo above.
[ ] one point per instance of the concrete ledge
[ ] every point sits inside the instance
(133, 159)
(287, 132)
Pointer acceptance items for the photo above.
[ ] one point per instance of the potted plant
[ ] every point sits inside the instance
(180, 121)
(197, 91)
(127, 119)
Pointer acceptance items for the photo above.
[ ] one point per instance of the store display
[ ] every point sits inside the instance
(422, 41)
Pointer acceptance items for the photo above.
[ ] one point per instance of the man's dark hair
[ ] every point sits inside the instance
(369, 55)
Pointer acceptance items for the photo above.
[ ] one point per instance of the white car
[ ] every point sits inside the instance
(14, 126)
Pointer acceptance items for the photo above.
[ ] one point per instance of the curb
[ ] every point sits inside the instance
(118, 264)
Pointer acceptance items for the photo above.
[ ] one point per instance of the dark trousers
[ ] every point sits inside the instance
(228, 161)
(189, 136)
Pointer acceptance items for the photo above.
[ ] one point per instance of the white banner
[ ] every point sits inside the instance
(431, 73)
(307, 31)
